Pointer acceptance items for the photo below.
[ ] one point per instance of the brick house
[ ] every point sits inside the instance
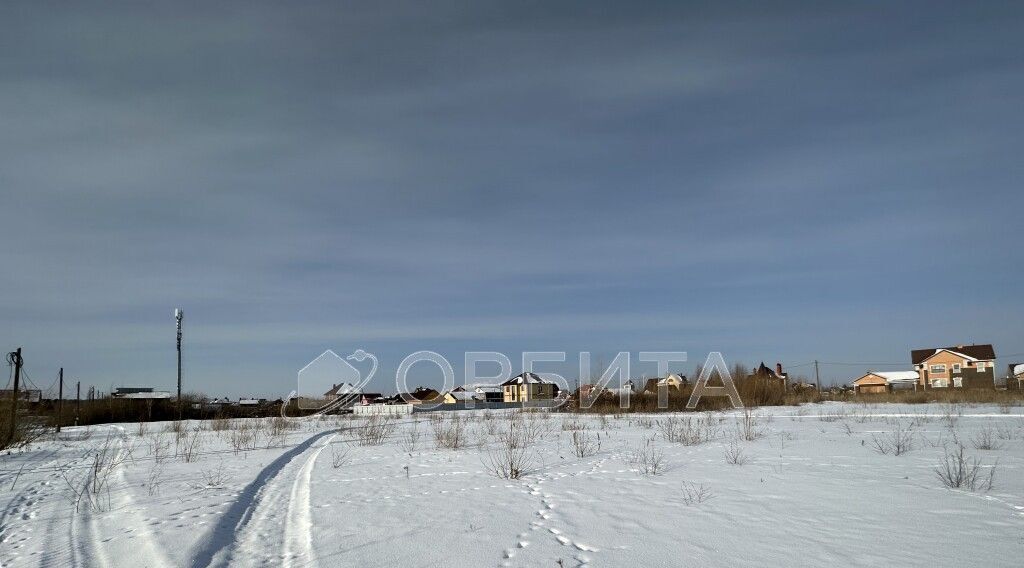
(774, 376)
(962, 366)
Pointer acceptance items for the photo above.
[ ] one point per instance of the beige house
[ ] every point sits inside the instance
(875, 382)
(528, 386)
(674, 382)
(463, 396)
(962, 366)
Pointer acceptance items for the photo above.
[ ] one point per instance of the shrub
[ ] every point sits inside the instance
(748, 426)
(649, 459)
(584, 445)
(688, 430)
(899, 441)
(513, 458)
(694, 494)
(985, 439)
(734, 454)
(957, 471)
(375, 431)
(449, 434)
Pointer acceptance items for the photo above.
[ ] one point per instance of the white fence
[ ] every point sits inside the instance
(382, 409)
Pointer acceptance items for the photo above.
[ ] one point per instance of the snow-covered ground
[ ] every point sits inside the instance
(810, 489)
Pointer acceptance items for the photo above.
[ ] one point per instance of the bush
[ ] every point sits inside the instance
(898, 442)
(584, 445)
(649, 459)
(375, 431)
(694, 494)
(734, 454)
(513, 458)
(957, 471)
(449, 434)
(688, 430)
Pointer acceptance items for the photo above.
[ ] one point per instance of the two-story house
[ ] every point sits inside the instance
(528, 386)
(962, 366)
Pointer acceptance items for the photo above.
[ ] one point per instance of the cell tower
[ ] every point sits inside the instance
(179, 314)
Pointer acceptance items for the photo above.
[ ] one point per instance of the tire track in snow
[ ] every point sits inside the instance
(90, 548)
(298, 536)
(241, 536)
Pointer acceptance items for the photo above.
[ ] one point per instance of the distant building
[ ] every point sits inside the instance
(962, 366)
(674, 382)
(526, 387)
(629, 388)
(1015, 378)
(455, 397)
(875, 382)
(776, 375)
(24, 395)
(418, 396)
(488, 392)
(368, 398)
(141, 393)
(342, 390)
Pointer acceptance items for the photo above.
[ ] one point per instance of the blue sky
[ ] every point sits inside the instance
(803, 181)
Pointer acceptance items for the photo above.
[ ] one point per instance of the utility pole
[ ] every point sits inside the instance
(15, 358)
(60, 399)
(179, 314)
(78, 401)
(817, 380)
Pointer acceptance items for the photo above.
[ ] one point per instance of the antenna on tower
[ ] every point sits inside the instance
(179, 314)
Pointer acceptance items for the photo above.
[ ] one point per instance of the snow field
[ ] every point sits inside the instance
(810, 486)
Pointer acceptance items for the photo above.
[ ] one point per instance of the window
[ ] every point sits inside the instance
(940, 383)
(956, 367)
(981, 367)
(937, 369)
(958, 382)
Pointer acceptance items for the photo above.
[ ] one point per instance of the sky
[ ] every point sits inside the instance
(825, 181)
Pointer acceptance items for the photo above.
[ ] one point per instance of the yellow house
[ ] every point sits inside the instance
(962, 366)
(454, 397)
(526, 387)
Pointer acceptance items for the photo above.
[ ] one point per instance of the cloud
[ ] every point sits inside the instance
(403, 172)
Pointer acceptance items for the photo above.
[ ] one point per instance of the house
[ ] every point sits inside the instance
(528, 386)
(487, 392)
(418, 396)
(457, 396)
(251, 402)
(342, 390)
(1015, 378)
(962, 366)
(874, 382)
(368, 398)
(763, 372)
(672, 381)
(629, 388)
